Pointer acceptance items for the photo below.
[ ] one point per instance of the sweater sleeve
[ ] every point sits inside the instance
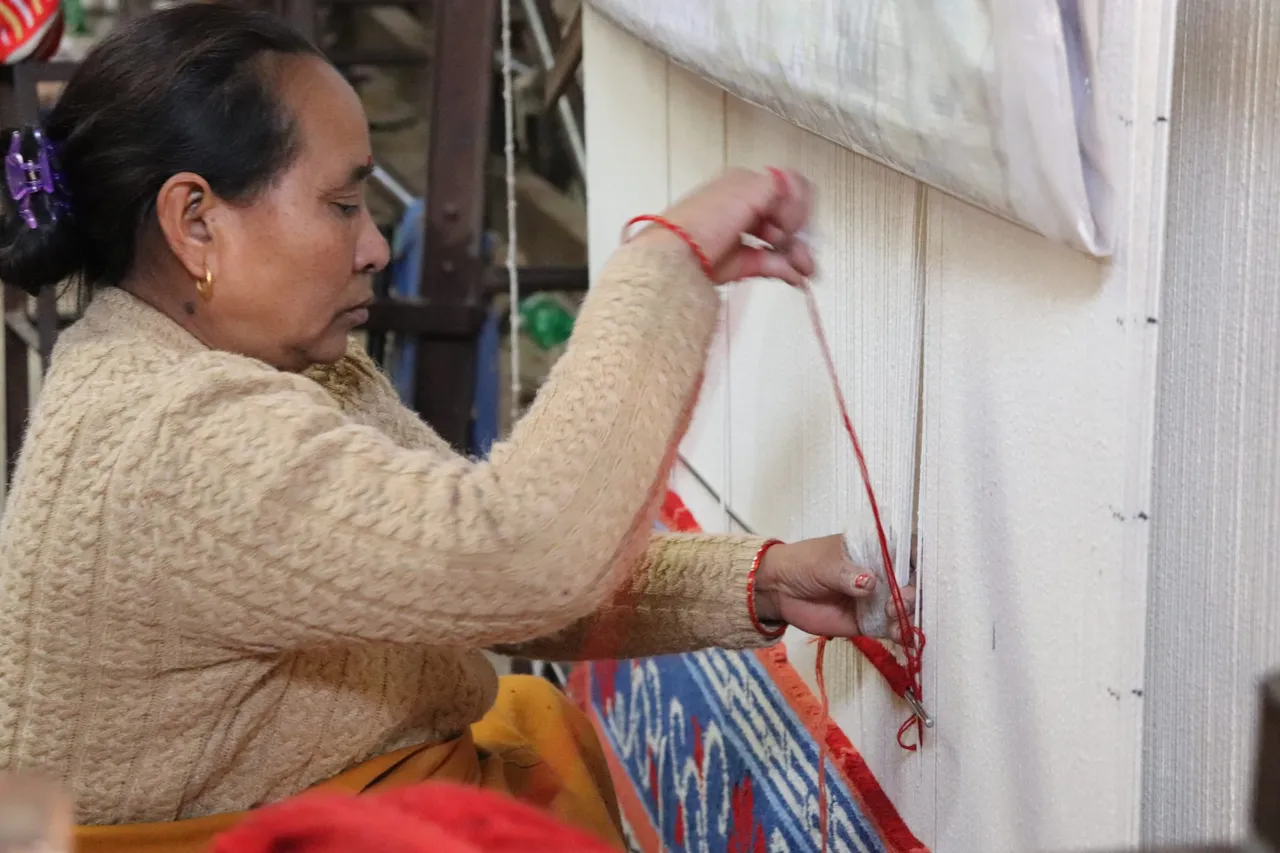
(282, 523)
(685, 592)
(688, 592)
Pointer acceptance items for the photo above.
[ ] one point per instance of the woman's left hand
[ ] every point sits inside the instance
(814, 586)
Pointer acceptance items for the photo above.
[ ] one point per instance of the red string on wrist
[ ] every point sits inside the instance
(771, 633)
(684, 235)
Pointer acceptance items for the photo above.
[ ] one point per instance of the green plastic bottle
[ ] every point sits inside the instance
(75, 19)
(545, 320)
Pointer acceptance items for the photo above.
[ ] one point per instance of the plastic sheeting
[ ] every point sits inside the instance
(989, 100)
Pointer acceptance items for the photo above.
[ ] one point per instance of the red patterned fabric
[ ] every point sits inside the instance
(29, 29)
(719, 751)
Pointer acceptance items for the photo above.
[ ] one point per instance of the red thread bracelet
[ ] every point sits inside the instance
(771, 633)
(707, 268)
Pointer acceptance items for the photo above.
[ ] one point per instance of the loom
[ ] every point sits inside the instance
(996, 140)
(989, 240)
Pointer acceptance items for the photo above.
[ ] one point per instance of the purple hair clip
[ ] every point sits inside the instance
(29, 177)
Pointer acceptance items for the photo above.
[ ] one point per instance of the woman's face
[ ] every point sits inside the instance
(292, 271)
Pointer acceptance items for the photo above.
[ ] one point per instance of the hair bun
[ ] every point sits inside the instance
(38, 245)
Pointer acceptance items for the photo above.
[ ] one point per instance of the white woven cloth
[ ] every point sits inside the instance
(988, 100)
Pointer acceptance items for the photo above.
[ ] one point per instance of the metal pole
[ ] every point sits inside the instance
(397, 190)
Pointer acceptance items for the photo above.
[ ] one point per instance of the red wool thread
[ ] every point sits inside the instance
(771, 633)
(684, 235)
(900, 678)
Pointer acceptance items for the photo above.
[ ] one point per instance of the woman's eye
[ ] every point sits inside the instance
(347, 209)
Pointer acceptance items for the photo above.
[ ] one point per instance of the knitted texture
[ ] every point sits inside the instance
(221, 583)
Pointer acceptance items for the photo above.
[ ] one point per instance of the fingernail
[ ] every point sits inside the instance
(863, 581)
(780, 180)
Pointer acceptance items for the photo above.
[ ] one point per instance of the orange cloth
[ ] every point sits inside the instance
(533, 745)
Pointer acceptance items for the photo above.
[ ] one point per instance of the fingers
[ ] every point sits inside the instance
(860, 584)
(891, 611)
(801, 258)
(793, 200)
(908, 600)
(750, 262)
(792, 246)
(774, 206)
(783, 224)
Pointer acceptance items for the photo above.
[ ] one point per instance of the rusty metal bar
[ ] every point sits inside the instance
(452, 269)
(1266, 796)
(20, 104)
(17, 383)
(418, 317)
(539, 279)
(17, 390)
(407, 4)
(47, 324)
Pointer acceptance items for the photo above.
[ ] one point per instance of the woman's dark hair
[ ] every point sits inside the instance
(186, 89)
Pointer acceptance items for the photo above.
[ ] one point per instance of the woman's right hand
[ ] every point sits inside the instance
(773, 206)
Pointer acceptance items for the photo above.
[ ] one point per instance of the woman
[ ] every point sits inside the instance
(235, 566)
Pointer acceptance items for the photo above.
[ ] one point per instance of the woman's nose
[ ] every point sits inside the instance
(372, 251)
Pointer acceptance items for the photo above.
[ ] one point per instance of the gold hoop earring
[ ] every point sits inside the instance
(205, 287)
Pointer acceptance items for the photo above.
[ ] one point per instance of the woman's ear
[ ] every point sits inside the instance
(183, 206)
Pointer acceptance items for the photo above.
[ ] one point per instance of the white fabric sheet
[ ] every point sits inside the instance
(989, 100)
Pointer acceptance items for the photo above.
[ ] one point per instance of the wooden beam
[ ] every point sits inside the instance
(418, 318)
(452, 270)
(568, 60)
(540, 279)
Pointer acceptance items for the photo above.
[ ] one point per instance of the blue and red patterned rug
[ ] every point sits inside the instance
(718, 751)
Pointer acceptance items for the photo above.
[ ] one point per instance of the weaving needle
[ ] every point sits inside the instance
(918, 708)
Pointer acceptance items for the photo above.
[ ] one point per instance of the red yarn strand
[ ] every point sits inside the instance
(899, 678)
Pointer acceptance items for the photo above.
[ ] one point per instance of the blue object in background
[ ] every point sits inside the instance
(406, 278)
(485, 415)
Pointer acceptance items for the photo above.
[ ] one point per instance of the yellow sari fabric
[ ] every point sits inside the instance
(533, 745)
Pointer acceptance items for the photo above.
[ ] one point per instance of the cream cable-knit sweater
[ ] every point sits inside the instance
(222, 583)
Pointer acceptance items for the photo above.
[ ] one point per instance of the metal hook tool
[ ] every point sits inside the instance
(918, 708)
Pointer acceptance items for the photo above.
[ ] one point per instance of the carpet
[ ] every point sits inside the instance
(718, 751)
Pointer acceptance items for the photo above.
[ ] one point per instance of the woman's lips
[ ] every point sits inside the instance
(358, 314)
